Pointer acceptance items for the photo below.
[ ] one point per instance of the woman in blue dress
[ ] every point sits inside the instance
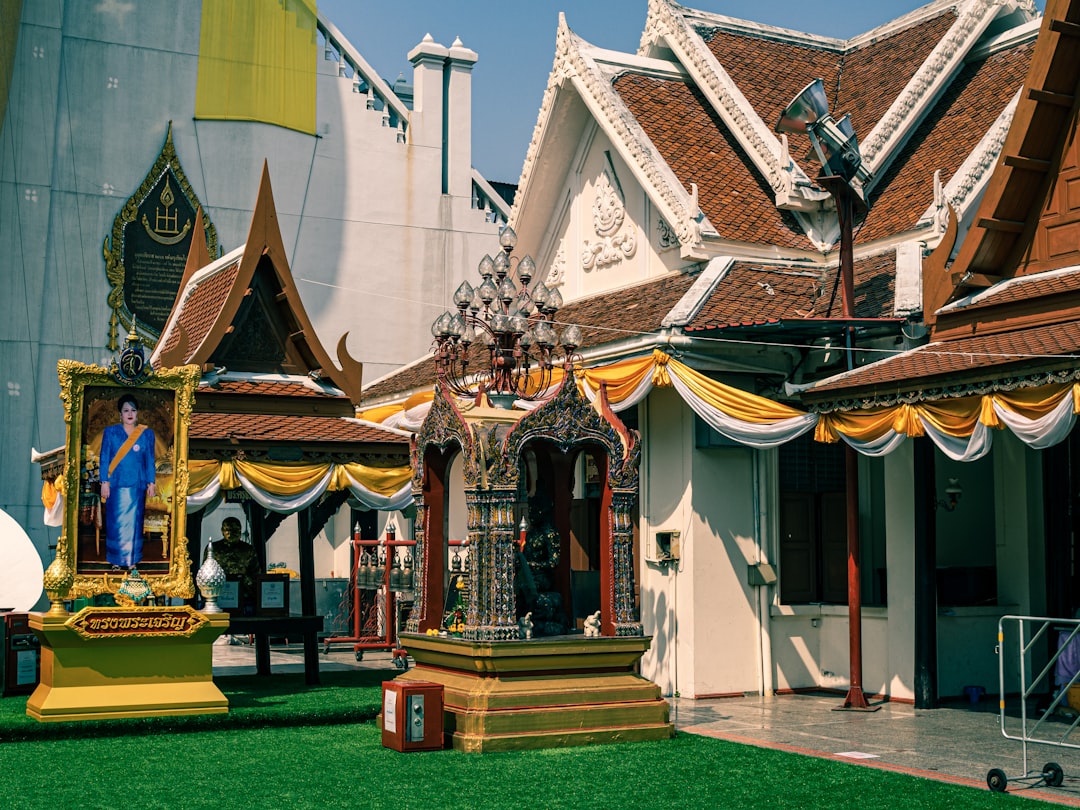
(127, 478)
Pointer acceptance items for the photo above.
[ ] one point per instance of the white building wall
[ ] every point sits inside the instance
(899, 470)
(667, 593)
(811, 643)
(375, 248)
(723, 544)
(700, 609)
(601, 191)
(967, 636)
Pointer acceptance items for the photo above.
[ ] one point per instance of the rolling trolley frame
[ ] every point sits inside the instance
(1025, 636)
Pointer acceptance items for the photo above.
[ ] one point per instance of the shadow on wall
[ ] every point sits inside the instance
(659, 664)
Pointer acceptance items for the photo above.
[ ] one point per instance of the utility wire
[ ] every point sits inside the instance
(631, 333)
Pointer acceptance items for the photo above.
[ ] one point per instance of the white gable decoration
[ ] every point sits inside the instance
(609, 216)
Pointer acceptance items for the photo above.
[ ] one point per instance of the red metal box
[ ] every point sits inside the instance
(412, 716)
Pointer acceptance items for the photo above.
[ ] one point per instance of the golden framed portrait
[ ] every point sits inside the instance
(126, 478)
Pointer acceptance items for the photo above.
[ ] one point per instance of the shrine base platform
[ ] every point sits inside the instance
(105, 678)
(540, 693)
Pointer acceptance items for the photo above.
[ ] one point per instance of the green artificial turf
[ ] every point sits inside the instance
(286, 745)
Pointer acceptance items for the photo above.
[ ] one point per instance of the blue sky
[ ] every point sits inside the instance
(515, 40)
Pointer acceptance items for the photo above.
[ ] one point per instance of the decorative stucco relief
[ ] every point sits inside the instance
(927, 81)
(609, 217)
(557, 274)
(665, 237)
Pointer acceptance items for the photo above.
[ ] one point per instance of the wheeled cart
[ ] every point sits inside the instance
(381, 573)
(1022, 645)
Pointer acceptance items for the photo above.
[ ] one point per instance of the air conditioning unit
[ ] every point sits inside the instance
(666, 546)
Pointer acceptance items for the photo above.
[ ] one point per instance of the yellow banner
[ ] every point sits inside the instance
(257, 62)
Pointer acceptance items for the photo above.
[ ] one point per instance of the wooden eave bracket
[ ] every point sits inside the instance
(1065, 28)
(1003, 225)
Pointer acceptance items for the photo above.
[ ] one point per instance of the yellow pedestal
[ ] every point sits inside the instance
(97, 677)
(541, 693)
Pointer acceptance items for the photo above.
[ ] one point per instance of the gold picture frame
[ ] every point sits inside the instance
(169, 395)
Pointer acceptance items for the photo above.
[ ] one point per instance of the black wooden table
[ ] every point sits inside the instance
(262, 627)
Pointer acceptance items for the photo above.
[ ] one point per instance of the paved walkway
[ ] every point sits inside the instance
(958, 744)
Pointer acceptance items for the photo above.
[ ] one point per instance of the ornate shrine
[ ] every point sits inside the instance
(518, 653)
(512, 459)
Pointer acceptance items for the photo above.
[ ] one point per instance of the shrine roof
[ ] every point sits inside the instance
(294, 387)
(199, 305)
(245, 312)
(1020, 288)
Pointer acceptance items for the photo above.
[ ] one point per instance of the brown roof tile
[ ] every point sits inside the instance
(201, 310)
(875, 74)
(286, 429)
(269, 388)
(626, 313)
(951, 362)
(700, 149)
(862, 82)
(750, 293)
(1025, 288)
(959, 120)
(411, 377)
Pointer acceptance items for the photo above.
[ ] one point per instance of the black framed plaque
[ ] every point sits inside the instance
(148, 248)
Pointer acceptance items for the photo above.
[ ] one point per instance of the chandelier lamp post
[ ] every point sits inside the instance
(501, 341)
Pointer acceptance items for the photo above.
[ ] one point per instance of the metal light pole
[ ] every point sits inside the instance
(838, 150)
(849, 207)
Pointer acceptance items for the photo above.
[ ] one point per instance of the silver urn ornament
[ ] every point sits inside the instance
(210, 579)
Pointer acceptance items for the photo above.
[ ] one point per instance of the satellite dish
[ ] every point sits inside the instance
(21, 574)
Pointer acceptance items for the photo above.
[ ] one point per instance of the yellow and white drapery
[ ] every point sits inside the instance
(52, 497)
(961, 427)
(285, 487)
(1040, 417)
(258, 61)
(743, 417)
(279, 487)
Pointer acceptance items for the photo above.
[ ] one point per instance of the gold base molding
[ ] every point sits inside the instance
(135, 674)
(541, 693)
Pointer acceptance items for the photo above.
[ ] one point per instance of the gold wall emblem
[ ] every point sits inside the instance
(148, 248)
(164, 231)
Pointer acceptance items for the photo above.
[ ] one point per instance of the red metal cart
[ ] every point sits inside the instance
(381, 571)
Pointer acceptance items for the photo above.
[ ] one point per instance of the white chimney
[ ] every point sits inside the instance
(425, 123)
(458, 160)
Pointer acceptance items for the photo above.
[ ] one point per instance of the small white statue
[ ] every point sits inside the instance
(592, 626)
(525, 625)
